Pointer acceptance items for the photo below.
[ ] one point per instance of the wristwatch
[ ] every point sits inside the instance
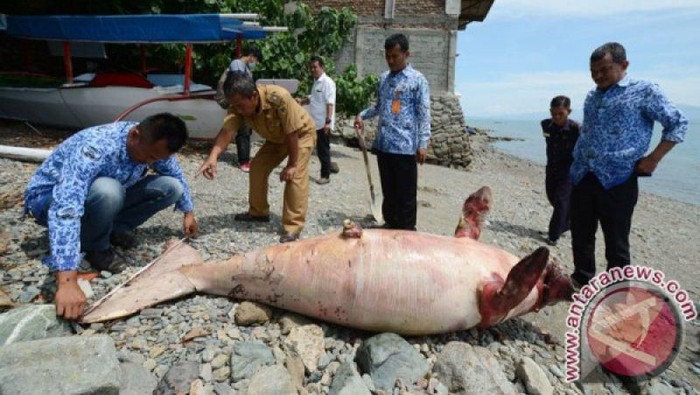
(328, 121)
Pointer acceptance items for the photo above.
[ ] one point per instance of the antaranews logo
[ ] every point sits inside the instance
(627, 320)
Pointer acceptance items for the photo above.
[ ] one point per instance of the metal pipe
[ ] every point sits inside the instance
(67, 62)
(188, 68)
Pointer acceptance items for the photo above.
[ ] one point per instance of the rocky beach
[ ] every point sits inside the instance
(213, 345)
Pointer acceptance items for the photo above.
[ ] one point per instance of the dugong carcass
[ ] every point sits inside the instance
(397, 281)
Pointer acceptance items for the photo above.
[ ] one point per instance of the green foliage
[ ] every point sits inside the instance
(353, 94)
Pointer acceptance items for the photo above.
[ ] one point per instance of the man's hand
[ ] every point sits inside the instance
(326, 129)
(288, 173)
(358, 123)
(189, 225)
(70, 299)
(647, 164)
(208, 169)
(421, 155)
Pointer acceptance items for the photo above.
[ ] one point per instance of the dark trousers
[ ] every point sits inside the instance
(323, 150)
(614, 207)
(559, 195)
(399, 178)
(243, 144)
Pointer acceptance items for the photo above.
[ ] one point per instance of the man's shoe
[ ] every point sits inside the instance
(334, 168)
(551, 242)
(289, 237)
(245, 217)
(245, 167)
(125, 240)
(323, 181)
(106, 260)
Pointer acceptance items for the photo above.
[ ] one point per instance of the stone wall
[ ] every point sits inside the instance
(449, 144)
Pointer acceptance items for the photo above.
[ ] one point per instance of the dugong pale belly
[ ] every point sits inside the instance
(379, 280)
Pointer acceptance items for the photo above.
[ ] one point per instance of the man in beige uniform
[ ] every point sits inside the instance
(289, 133)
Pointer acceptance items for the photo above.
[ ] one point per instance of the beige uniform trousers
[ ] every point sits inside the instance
(296, 192)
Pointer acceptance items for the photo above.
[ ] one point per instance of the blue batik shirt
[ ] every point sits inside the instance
(66, 176)
(405, 127)
(617, 129)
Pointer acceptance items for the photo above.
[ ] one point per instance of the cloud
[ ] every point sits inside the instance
(587, 8)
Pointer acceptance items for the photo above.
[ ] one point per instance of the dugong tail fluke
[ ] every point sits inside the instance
(157, 282)
(398, 281)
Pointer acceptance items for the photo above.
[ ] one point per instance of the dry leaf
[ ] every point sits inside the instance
(5, 302)
(195, 332)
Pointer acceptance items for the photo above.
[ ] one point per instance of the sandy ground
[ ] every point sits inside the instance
(664, 234)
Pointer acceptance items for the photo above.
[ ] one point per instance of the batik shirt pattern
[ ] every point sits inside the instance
(403, 107)
(66, 176)
(617, 129)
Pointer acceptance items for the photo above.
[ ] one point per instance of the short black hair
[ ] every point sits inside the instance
(616, 50)
(255, 51)
(396, 39)
(317, 58)
(164, 126)
(560, 101)
(239, 83)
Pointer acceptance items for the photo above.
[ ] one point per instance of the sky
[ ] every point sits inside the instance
(527, 51)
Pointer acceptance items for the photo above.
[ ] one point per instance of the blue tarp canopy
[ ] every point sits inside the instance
(157, 28)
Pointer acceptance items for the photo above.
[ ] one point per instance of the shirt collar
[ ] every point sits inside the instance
(625, 81)
(404, 71)
(262, 94)
(554, 125)
(124, 136)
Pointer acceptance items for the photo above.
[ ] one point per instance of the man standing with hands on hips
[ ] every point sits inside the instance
(618, 121)
(403, 131)
(321, 103)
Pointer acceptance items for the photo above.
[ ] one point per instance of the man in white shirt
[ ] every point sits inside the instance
(321, 103)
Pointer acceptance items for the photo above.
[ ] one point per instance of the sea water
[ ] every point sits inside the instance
(676, 177)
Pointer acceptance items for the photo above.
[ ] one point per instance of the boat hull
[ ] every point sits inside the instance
(81, 107)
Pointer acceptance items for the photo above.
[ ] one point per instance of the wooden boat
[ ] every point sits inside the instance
(98, 98)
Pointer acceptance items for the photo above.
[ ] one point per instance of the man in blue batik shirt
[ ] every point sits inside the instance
(610, 154)
(96, 184)
(403, 107)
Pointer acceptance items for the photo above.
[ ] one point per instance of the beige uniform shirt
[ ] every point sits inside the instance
(278, 116)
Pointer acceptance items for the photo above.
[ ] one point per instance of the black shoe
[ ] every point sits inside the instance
(334, 168)
(106, 260)
(245, 217)
(289, 237)
(125, 240)
(551, 242)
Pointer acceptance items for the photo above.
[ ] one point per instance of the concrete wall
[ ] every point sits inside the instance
(432, 53)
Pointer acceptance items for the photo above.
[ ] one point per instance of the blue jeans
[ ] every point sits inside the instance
(109, 207)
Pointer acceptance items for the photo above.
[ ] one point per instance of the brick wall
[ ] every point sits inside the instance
(376, 7)
(359, 7)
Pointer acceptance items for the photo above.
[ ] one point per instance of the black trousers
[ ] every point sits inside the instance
(558, 186)
(614, 207)
(243, 144)
(323, 150)
(399, 178)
